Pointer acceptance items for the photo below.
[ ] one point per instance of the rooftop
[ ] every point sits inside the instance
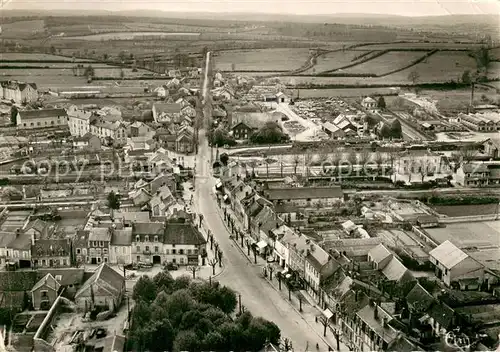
(107, 274)
(43, 113)
(448, 254)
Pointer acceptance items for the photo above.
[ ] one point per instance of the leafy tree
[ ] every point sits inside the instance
(201, 314)
(113, 200)
(163, 282)
(52, 50)
(466, 77)
(13, 115)
(89, 71)
(381, 103)
(413, 76)
(224, 159)
(186, 341)
(483, 59)
(220, 138)
(144, 290)
(270, 133)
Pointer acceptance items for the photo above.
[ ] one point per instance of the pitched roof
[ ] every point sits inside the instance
(317, 256)
(47, 280)
(448, 254)
(133, 216)
(44, 113)
(64, 276)
(303, 193)
(395, 270)
(114, 343)
(6, 238)
(17, 280)
(379, 253)
(107, 274)
(148, 228)
(100, 234)
(419, 299)
(367, 315)
(122, 237)
(183, 234)
(369, 100)
(167, 108)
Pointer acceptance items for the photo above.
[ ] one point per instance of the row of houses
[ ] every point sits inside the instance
(130, 238)
(357, 282)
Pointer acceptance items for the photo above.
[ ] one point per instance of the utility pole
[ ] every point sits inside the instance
(239, 303)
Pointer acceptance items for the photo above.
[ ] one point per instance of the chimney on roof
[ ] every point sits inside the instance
(375, 312)
(385, 322)
(312, 247)
(18, 232)
(308, 252)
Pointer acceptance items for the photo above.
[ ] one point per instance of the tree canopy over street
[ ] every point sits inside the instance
(186, 315)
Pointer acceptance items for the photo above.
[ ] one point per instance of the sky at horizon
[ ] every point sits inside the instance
(300, 7)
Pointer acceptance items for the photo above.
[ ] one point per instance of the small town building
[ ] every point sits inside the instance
(19, 92)
(369, 104)
(105, 289)
(455, 268)
(43, 118)
(51, 252)
(45, 292)
(88, 141)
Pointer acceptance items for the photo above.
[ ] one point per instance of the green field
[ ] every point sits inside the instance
(285, 59)
(37, 56)
(386, 62)
(337, 59)
(23, 29)
(430, 46)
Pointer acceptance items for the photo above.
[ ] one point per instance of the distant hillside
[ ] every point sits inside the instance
(462, 23)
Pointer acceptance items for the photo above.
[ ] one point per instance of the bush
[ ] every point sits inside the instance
(270, 133)
(220, 137)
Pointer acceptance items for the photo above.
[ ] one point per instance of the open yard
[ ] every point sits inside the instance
(471, 234)
(261, 59)
(386, 63)
(466, 210)
(332, 61)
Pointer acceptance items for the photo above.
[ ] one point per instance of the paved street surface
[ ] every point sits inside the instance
(257, 294)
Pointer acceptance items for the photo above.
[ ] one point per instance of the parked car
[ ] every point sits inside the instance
(143, 265)
(172, 266)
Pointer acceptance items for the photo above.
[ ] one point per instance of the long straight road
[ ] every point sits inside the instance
(257, 295)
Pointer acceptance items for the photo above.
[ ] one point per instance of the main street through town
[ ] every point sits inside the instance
(257, 295)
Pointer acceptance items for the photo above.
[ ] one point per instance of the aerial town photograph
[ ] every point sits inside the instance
(249, 176)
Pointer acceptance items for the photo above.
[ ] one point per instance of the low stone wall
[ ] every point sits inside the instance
(40, 344)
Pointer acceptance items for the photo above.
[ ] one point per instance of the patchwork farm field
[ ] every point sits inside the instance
(345, 92)
(442, 66)
(100, 71)
(332, 61)
(22, 29)
(38, 57)
(386, 63)
(285, 59)
(48, 65)
(430, 46)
